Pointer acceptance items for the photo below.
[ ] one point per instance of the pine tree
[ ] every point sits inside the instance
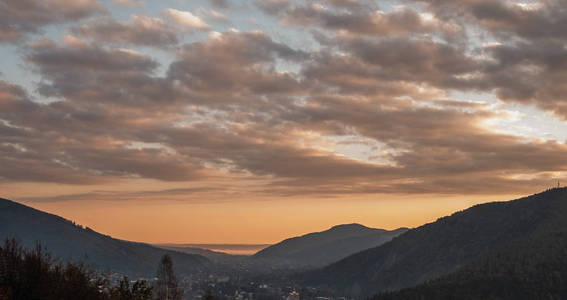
(166, 286)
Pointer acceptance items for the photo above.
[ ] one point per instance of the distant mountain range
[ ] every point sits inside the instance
(216, 249)
(212, 255)
(442, 247)
(322, 248)
(68, 241)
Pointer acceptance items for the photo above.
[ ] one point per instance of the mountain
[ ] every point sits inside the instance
(532, 269)
(194, 250)
(441, 247)
(215, 256)
(215, 250)
(70, 242)
(322, 248)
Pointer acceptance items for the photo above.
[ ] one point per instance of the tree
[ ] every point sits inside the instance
(139, 291)
(209, 295)
(33, 274)
(166, 286)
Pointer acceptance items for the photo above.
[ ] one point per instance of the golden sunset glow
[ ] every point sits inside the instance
(253, 121)
(254, 221)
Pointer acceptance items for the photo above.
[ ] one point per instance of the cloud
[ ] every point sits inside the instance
(21, 161)
(524, 61)
(77, 55)
(404, 61)
(129, 3)
(148, 195)
(530, 20)
(402, 21)
(87, 72)
(255, 126)
(273, 7)
(220, 3)
(141, 30)
(69, 142)
(250, 108)
(242, 62)
(216, 16)
(19, 18)
(186, 19)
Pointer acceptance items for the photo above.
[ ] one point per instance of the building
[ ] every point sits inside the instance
(293, 296)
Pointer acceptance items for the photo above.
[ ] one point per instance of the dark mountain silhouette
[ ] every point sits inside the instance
(212, 255)
(322, 248)
(216, 250)
(192, 250)
(441, 247)
(530, 269)
(71, 242)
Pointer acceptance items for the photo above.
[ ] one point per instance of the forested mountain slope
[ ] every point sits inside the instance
(441, 247)
(531, 269)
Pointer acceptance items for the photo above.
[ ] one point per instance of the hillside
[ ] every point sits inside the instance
(322, 248)
(213, 255)
(68, 241)
(439, 248)
(222, 260)
(533, 269)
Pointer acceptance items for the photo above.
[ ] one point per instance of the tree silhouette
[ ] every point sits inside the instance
(209, 295)
(123, 291)
(166, 286)
(33, 274)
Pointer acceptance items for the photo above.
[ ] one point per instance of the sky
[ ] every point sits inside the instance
(223, 121)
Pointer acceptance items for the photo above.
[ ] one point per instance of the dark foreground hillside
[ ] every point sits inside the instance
(441, 247)
(30, 274)
(70, 242)
(534, 269)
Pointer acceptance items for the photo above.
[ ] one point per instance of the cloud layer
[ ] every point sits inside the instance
(368, 110)
(21, 17)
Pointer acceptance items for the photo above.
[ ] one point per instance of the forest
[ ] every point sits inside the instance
(532, 269)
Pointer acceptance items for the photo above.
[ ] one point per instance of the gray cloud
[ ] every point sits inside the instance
(141, 30)
(220, 3)
(77, 55)
(377, 23)
(88, 72)
(128, 3)
(525, 63)
(393, 64)
(229, 105)
(195, 195)
(21, 17)
(70, 142)
(530, 20)
(236, 61)
(273, 7)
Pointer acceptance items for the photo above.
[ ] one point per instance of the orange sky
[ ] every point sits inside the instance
(252, 221)
(136, 210)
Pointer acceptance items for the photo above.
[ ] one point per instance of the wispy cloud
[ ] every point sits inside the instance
(186, 19)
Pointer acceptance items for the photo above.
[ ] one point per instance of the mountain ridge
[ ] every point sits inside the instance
(438, 248)
(317, 249)
(71, 242)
